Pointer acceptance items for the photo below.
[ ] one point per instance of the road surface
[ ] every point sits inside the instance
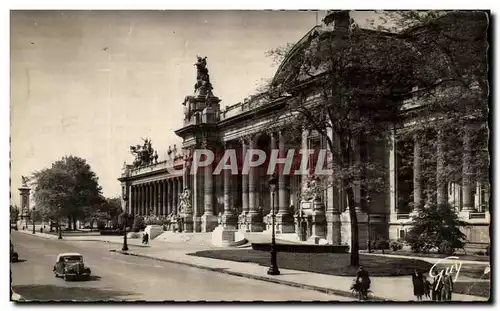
(120, 277)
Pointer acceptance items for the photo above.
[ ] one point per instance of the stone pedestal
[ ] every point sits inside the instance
(318, 222)
(362, 229)
(196, 224)
(254, 222)
(229, 221)
(208, 223)
(242, 223)
(318, 228)
(227, 237)
(333, 228)
(188, 224)
(284, 224)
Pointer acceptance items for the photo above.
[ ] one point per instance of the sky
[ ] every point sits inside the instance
(92, 83)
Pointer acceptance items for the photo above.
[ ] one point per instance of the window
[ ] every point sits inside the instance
(401, 233)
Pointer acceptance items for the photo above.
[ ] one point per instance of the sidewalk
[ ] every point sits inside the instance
(383, 288)
(91, 238)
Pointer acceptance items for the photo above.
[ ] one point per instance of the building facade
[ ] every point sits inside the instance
(244, 201)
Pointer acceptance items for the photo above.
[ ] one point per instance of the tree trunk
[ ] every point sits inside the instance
(69, 223)
(354, 227)
(74, 224)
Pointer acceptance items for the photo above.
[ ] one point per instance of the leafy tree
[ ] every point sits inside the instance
(14, 213)
(436, 227)
(66, 190)
(138, 224)
(112, 208)
(351, 87)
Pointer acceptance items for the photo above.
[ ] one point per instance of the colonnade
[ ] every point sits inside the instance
(462, 195)
(159, 197)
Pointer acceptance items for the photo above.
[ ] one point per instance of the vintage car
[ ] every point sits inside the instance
(13, 255)
(71, 267)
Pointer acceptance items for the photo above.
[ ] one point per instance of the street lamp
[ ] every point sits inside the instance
(124, 221)
(273, 270)
(33, 219)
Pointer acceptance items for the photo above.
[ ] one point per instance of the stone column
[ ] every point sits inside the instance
(305, 147)
(208, 219)
(417, 178)
(274, 146)
(467, 200)
(440, 174)
(158, 198)
(254, 216)
(333, 208)
(164, 197)
(229, 219)
(175, 195)
(131, 198)
(393, 180)
(197, 197)
(139, 200)
(153, 197)
(24, 192)
(149, 198)
(170, 192)
(242, 220)
(284, 221)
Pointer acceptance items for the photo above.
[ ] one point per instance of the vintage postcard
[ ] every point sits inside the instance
(322, 155)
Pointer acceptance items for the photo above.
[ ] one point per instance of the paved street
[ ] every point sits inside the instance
(119, 277)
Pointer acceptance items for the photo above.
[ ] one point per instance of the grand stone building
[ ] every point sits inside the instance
(243, 201)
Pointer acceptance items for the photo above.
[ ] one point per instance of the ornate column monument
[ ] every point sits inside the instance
(24, 192)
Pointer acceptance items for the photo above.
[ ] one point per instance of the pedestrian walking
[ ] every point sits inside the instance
(418, 285)
(145, 238)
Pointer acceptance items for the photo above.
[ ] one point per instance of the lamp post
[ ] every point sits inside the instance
(273, 270)
(124, 221)
(33, 219)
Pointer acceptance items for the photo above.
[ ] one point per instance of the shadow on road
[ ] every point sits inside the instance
(20, 260)
(90, 279)
(62, 293)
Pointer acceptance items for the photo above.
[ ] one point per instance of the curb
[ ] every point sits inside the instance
(80, 240)
(325, 290)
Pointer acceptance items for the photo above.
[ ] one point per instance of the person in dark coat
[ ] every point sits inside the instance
(436, 287)
(418, 285)
(145, 238)
(363, 279)
(447, 289)
(427, 288)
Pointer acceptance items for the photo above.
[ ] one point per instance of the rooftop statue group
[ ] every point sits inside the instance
(203, 85)
(144, 155)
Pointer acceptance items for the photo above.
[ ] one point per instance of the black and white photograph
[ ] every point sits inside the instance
(320, 155)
